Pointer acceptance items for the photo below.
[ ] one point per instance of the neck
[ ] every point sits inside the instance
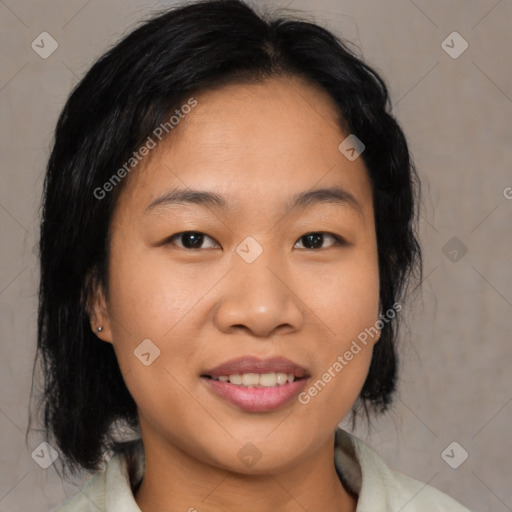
(174, 481)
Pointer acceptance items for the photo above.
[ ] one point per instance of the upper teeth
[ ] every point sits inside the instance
(258, 379)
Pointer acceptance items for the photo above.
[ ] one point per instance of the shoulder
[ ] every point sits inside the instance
(91, 497)
(111, 490)
(381, 488)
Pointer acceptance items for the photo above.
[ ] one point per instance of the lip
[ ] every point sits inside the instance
(256, 399)
(251, 364)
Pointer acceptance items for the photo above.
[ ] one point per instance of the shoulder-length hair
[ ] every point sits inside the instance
(129, 92)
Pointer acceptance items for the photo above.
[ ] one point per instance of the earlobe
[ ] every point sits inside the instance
(100, 333)
(97, 309)
(100, 323)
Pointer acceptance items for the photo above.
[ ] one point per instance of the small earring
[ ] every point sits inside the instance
(99, 329)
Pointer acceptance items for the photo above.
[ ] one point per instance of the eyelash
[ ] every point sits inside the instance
(338, 241)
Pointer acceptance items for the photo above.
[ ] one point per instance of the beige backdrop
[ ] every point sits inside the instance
(456, 110)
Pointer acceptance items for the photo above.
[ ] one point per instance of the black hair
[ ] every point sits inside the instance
(123, 98)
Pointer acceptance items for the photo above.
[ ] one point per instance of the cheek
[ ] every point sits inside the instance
(343, 358)
(149, 294)
(144, 304)
(153, 298)
(346, 304)
(152, 331)
(345, 297)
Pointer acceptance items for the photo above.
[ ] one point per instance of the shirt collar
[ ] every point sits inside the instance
(122, 476)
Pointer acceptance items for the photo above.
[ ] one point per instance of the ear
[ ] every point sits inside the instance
(376, 337)
(97, 308)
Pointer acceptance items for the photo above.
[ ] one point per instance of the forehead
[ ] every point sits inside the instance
(280, 111)
(254, 143)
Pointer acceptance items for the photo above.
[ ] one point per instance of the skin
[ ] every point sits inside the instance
(256, 145)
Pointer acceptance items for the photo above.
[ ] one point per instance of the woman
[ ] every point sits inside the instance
(228, 230)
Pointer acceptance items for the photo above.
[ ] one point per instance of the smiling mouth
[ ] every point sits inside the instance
(256, 392)
(257, 380)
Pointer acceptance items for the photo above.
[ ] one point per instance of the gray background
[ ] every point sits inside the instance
(456, 360)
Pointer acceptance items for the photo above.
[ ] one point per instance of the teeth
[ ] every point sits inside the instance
(251, 380)
(281, 378)
(235, 379)
(268, 379)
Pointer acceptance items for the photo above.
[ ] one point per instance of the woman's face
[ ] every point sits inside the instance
(248, 281)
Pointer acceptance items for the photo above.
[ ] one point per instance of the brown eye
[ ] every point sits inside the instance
(315, 240)
(190, 239)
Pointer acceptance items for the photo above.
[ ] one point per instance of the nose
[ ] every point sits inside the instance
(259, 297)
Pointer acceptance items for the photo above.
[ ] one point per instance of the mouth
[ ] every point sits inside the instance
(257, 380)
(247, 367)
(256, 385)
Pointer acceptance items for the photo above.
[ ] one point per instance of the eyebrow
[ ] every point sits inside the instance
(331, 195)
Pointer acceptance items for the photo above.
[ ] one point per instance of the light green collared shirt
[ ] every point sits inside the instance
(379, 488)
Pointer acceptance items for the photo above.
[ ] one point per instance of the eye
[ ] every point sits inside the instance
(195, 240)
(191, 239)
(315, 240)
